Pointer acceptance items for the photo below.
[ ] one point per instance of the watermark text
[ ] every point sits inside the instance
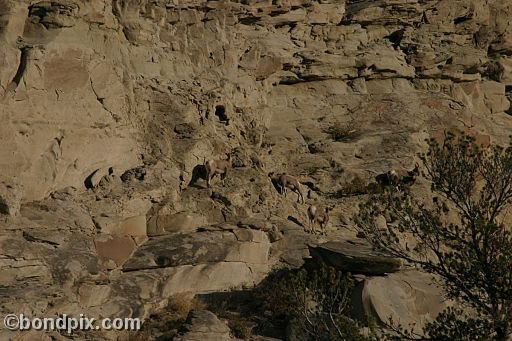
(69, 324)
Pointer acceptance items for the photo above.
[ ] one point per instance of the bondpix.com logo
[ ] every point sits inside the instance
(69, 324)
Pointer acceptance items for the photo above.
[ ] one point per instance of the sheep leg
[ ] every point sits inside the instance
(280, 188)
(300, 197)
(223, 177)
(210, 178)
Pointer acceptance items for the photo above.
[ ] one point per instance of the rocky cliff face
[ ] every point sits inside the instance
(107, 104)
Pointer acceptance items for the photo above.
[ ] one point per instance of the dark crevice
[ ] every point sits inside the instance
(220, 112)
(33, 239)
(295, 220)
(396, 38)
(21, 67)
(463, 19)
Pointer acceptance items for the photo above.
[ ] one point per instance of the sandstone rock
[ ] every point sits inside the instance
(133, 226)
(94, 179)
(245, 246)
(116, 248)
(506, 64)
(31, 336)
(93, 295)
(89, 86)
(355, 257)
(172, 223)
(204, 325)
(494, 96)
(11, 195)
(406, 297)
(256, 223)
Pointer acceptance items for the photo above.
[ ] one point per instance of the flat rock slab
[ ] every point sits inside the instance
(356, 257)
(238, 245)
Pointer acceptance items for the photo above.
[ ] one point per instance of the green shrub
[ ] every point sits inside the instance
(318, 303)
(464, 238)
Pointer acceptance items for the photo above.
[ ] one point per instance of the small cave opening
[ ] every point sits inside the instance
(463, 18)
(220, 112)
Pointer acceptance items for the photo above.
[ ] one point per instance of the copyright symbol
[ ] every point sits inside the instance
(11, 321)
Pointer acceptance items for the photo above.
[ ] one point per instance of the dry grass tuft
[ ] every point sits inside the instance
(181, 304)
(344, 132)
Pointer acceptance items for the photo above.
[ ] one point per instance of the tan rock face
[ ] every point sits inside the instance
(115, 248)
(133, 226)
(406, 297)
(11, 195)
(204, 325)
(178, 222)
(109, 109)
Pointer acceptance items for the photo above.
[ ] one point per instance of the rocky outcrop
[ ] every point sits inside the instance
(204, 325)
(110, 107)
(355, 257)
(11, 195)
(408, 297)
(116, 83)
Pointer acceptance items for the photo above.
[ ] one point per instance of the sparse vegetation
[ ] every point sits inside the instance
(357, 186)
(166, 323)
(317, 303)
(464, 238)
(241, 328)
(181, 304)
(344, 132)
(495, 71)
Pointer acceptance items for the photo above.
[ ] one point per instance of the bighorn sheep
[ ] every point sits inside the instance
(285, 182)
(214, 167)
(398, 179)
(390, 178)
(410, 178)
(320, 216)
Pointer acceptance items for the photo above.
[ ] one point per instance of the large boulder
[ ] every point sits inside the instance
(204, 325)
(406, 297)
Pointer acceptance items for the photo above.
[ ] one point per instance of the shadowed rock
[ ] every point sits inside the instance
(355, 257)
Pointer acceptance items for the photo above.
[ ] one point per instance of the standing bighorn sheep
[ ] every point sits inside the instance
(320, 216)
(214, 167)
(285, 182)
